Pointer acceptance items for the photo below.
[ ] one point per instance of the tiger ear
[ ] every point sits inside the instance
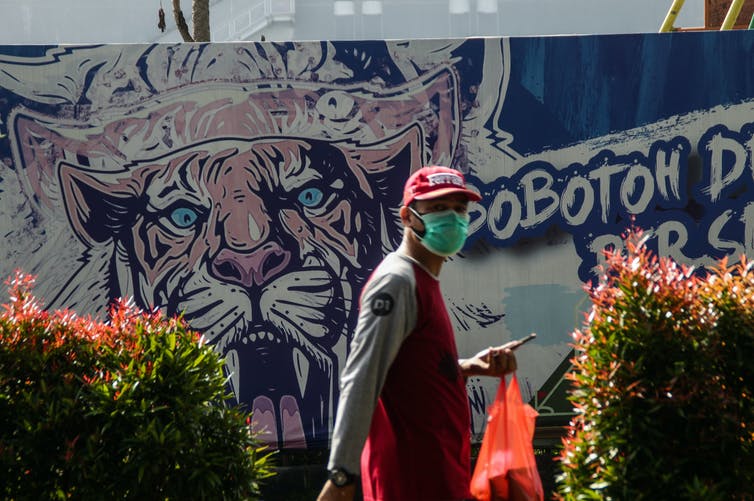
(38, 148)
(387, 164)
(98, 204)
(432, 101)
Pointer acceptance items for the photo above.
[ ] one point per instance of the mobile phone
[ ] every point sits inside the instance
(511, 345)
(518, 342)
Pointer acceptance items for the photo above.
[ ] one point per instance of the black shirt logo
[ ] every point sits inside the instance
(382, 304)
(449, 366)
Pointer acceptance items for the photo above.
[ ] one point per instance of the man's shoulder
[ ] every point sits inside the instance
(391, 290)
(395, 266)
(394, 273)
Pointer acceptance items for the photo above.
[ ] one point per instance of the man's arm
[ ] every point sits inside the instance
(387, 315)
(331, 492)
(495, 362)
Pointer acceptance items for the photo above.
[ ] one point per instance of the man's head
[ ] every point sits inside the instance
(436, 181)
(435, 201)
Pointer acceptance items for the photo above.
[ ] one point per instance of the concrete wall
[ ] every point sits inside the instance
(134, 21)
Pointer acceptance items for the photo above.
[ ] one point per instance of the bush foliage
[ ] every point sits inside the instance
(129, 409)
(662, 383)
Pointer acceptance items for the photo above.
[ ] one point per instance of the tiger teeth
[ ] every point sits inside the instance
(301, 366)
(233, 364)
(261, 336)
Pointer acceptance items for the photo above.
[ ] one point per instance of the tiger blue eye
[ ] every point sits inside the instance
(183, 217)
(310, 197)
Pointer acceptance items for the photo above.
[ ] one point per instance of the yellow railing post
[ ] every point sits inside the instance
(667, 25)
(732, 15)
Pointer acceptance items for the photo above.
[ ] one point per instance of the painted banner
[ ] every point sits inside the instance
(252, 187)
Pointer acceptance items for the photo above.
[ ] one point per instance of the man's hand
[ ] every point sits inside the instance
(331, 492)
(495, 362)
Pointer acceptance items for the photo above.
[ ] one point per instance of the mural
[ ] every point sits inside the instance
(252, 187)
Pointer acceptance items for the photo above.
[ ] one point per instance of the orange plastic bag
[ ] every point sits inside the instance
(506, 469)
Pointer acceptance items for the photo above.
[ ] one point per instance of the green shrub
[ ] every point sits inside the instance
(129, 409)
(662, 380)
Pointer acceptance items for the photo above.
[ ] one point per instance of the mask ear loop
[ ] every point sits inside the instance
(418, 233)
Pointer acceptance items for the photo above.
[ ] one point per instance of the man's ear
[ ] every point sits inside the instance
(405, 215)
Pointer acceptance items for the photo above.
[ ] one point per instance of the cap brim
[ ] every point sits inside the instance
(471, 195)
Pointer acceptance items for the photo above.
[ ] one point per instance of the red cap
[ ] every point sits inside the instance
(436, 181)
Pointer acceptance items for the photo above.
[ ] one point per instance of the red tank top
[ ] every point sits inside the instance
(418, 447)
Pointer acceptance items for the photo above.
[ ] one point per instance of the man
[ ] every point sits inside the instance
(403, 415)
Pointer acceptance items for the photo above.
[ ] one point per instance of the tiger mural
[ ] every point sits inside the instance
(255, 209)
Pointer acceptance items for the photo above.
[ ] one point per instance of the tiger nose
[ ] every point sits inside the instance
(251, 268)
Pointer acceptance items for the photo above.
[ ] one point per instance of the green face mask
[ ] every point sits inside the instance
(444, 232)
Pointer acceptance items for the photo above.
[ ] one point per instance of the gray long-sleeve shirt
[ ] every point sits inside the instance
(388, 314)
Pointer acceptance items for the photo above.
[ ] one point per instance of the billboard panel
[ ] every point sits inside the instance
(252, 187)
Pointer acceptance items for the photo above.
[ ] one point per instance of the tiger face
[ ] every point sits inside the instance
(259, 244)
(254, 209)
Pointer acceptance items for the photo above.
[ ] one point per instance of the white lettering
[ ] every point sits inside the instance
(444, 178)
(532, 195)
(496, 213)
(569, 199)
(731, 247)
(603, 174)
(599, 245)
(748, 234)
(718, 146)
(672, 236)
(628, 187)
(667, 172)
